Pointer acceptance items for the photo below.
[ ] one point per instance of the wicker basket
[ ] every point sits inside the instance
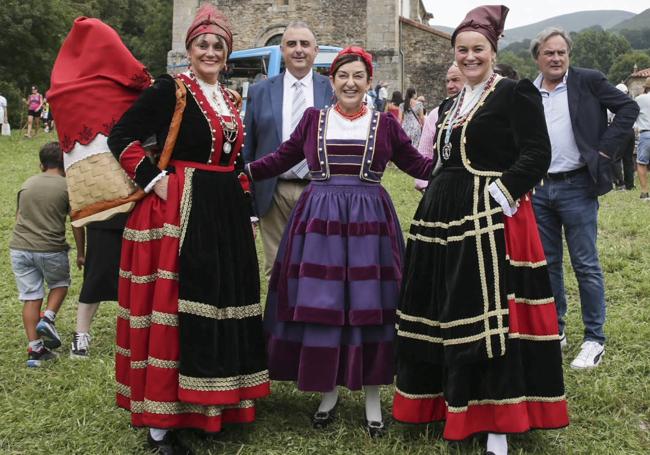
(99, 188)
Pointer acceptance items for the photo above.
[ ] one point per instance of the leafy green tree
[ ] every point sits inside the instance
(623, 66)
(33, 31)
(525, 66)
(639, 39)
(596, 48)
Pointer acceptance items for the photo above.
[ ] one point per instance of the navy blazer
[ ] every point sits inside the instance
(263, 123)
(590, 95)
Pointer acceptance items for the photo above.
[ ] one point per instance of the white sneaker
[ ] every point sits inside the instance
(80, 346)
(591, 353)
(563, 341)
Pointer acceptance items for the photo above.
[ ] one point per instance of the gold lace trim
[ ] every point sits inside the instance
(423, 396)
(177, 407)
(123, 313)
(121, 351)
(532, 265)
(138, 364)
(186, 205)
(544, 301)
(454, 223)
(223, 384)
(160, 363)
(455, 323)
(505, 402)
(456, 238)
(161, 318)
(209, 311)
(147, 235)
(144, 279)
(123, 389)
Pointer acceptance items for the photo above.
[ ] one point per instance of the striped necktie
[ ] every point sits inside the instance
(298, 105)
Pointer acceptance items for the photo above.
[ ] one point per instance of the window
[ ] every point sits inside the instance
(274, 40)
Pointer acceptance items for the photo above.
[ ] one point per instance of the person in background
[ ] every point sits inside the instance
(34, 105)
(477, 342)
(39, 252)
(411, 116)
(101, 263)
(576, 101)
(642, 126)
(454, 81)
(274, 108)
(382, 96)
(4, 113)
(623, 181)
(330, 311)
(392, 107)
(505, 70)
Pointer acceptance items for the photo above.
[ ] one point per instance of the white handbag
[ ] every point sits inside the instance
(6, 129)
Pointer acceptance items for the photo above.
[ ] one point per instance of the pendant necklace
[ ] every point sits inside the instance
(455, 120)
(229, 128)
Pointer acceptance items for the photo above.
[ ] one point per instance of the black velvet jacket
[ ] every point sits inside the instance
(506, 137)
(150, 115)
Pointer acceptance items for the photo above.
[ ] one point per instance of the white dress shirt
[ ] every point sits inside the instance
(287, 99)
(565, 155)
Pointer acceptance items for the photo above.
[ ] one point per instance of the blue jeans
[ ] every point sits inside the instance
(570, 204)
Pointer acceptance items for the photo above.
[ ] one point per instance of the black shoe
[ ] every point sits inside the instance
(321, 419)
(169, 445)
(375, 429)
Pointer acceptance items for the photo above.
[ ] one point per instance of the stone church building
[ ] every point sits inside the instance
(406, 51)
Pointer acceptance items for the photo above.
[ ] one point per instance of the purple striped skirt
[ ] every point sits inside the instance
(330, 310)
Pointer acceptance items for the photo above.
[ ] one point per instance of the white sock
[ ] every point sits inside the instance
(157, 434)
(373, 403)
(51, 315)
(328, 400)
(85, 314)
(36, 345)
(497, 443)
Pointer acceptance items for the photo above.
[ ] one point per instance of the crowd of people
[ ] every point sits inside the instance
(467, 317)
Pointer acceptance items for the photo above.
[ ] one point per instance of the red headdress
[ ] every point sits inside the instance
(488, 20)
(209, 19)
(95, 79)
(356, 50)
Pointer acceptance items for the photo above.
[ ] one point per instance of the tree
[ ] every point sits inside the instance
(623, 66)
(524, 66)
(596, 48)
(33, 31)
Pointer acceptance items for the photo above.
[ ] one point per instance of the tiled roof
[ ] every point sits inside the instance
(641, 73)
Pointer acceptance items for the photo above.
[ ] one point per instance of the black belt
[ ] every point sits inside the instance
(299, 181)
(643, 131)
(565, 175)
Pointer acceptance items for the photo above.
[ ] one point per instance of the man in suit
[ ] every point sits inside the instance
(273, 110)
(575, 105)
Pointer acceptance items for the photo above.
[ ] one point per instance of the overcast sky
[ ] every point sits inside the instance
(524, 12)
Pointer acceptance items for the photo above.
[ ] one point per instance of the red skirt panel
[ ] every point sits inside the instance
(514, 393)
(147, 351)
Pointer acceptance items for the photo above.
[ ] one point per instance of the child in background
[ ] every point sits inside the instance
(39, 252)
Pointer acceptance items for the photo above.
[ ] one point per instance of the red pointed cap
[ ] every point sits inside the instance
(209, 19)
(488, 20)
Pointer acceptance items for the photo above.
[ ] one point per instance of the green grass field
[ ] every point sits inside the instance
(68, 408)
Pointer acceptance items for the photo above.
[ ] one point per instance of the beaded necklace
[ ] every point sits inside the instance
(354, 116)
(228, 127)
(455, 120)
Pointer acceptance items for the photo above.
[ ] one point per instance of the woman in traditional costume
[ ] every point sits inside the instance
(330, 310)
(477, 341)
(190, 346)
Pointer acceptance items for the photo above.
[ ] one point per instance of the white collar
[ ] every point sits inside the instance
(290, 79)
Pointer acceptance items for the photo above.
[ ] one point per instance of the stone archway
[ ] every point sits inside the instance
(270, 35)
